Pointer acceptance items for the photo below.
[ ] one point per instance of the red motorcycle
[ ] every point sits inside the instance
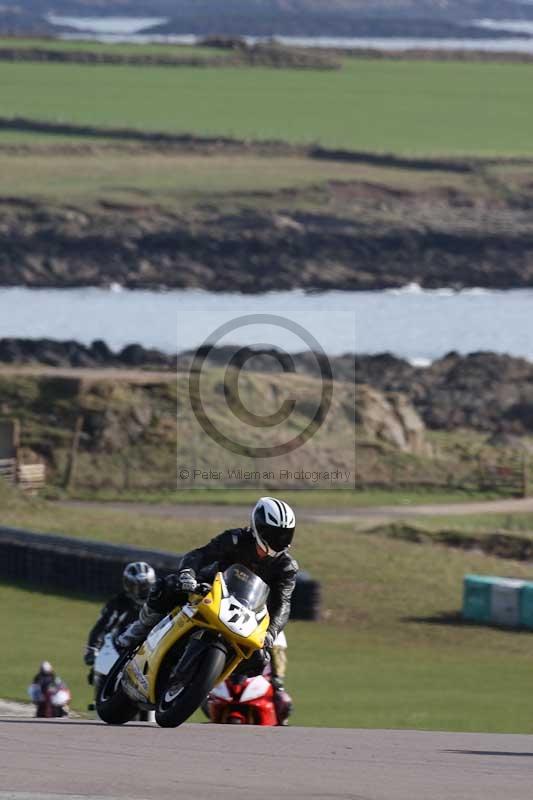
(244, 700)
(51, 701)
(49, 693)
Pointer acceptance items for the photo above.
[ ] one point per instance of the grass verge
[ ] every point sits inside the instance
(302, 500)
(391, 650)
(138, 177)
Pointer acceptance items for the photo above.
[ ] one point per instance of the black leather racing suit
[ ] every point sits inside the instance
(119, 612)
(235, 546)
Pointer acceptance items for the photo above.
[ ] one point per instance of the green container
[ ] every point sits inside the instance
(526, 606)
(477, 590)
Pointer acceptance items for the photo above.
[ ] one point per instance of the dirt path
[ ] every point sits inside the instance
(236, 513)
(89, 374)
(45, 759)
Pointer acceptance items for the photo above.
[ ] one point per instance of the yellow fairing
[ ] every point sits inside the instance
(201, 612)
(143, 669)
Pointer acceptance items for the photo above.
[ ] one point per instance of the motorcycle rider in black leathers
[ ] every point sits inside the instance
(263, 548)
(123, 608)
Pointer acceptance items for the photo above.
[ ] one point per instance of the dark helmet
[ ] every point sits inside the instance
(137, 580)
(273, 524)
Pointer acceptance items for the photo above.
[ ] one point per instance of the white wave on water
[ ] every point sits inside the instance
(419, 362)
(444, 291)
(416, 289)
(117, 26)
(409, 288)
(511, 25)
(476, 291)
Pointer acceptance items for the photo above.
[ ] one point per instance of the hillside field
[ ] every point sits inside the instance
(439, 154)
(92, 175)
(407, 107)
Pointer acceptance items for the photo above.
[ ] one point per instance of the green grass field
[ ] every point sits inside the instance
(405, 107)
(317, 498)
(388, 653)
(159, 177)
(338, 676)
(122, 48)
(60, 171)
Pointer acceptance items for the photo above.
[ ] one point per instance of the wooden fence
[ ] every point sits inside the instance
(31, 477)
(510, 477)
(8, 469)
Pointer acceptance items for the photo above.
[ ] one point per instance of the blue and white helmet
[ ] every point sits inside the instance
(273, 524)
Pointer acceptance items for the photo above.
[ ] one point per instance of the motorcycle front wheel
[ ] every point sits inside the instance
(112, 703)
(183, 695)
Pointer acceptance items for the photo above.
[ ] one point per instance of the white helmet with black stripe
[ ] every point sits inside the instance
(273, 523)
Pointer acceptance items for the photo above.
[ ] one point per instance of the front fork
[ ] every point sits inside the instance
(198, 641)
(197, 644)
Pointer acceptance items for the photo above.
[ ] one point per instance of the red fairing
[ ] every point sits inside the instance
(243, 701)
(54, 702)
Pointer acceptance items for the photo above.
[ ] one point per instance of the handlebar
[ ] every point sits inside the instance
(202, 589)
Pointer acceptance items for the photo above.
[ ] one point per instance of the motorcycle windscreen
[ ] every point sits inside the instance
(246, 587)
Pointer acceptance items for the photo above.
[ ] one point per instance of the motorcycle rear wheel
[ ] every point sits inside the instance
(195, 688)
(113, 706)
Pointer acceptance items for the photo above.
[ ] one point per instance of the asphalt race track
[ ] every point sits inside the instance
(62, 760)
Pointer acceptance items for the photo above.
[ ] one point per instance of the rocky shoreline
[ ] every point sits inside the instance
(482, 391)
(392, 220)
(366, 237)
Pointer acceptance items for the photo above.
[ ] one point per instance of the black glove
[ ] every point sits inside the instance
(90, 655)
(187, 580)
(269, 641)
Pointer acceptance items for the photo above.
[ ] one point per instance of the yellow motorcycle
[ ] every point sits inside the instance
(192, 649)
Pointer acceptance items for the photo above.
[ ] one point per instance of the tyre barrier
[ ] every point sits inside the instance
(94, 569)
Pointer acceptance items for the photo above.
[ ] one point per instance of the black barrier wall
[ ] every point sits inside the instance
(95, 569)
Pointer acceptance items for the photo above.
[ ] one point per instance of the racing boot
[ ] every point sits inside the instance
(138, 630)
(282, 702)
